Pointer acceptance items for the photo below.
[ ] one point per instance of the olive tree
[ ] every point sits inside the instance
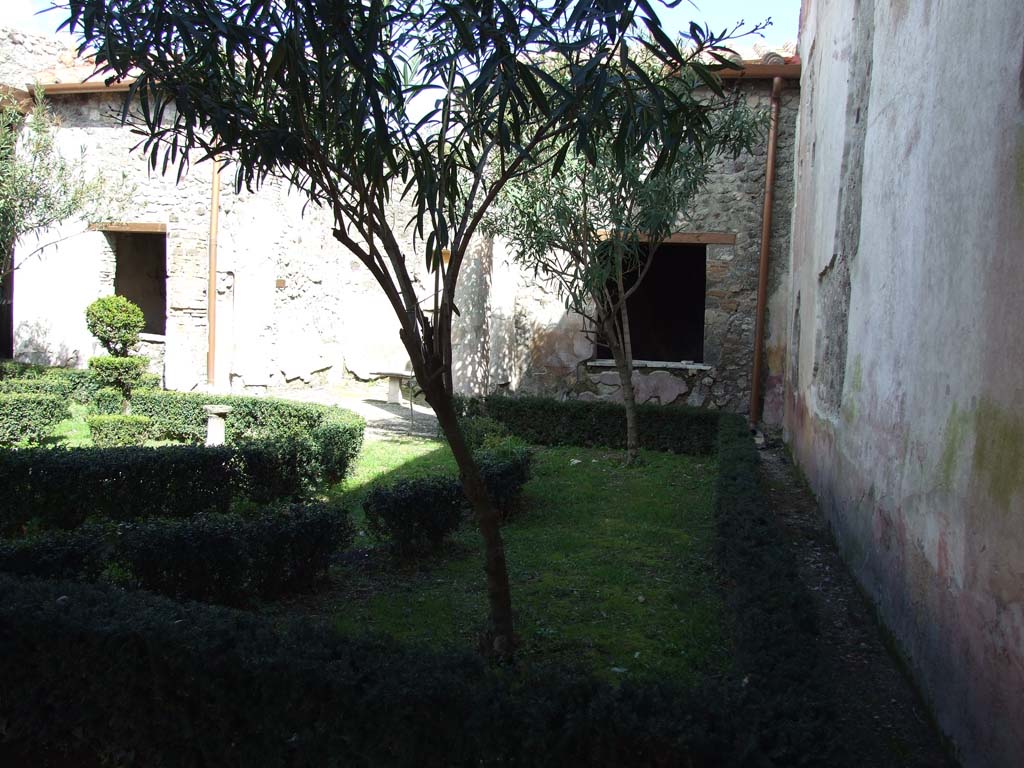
(441, 102)
(591, 226)
(39, 187)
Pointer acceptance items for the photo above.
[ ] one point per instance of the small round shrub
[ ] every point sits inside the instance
(116, 323)
(505, 465)
(477, 431)
(117, 431)
(411, 515)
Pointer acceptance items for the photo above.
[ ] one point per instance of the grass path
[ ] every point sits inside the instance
(610, 567)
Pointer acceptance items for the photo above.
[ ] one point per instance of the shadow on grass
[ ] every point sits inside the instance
(610, 567)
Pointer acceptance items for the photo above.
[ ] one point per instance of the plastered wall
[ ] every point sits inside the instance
(904, 380)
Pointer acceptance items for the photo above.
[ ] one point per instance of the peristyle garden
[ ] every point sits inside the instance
(297, 596)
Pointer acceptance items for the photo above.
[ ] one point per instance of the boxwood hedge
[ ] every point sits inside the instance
(138, 680)
(61, 488)
(546, 421)
(29, 416)
(336, 433)
(228, 559)
(110, 431)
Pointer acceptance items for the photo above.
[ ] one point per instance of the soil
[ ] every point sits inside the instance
(882, 720)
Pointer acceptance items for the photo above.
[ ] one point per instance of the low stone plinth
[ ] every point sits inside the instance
(216, 423)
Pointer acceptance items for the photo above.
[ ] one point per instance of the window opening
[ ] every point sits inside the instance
(666, 312)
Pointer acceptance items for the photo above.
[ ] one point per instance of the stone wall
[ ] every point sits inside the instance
(22, 56)
(904, 394)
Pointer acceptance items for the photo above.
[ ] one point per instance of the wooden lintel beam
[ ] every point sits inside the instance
(74, 89)
(762, 72)
(703, 238)
(137, 227)
(693, 238)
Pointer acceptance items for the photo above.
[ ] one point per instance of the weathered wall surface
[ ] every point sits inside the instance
(904, 386)
(22, 56)
(287, 292)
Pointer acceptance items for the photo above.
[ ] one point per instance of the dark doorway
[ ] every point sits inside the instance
(666, 312)
(141, 275)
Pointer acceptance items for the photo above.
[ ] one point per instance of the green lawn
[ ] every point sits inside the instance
(611, 567)
(73, 432)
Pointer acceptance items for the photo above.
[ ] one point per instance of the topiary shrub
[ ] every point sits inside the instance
(120, 373)
(109, 401)
(116, 323)
(112, 431)
(29, 416)
(505, 468)
(477, 431)
(412, 515)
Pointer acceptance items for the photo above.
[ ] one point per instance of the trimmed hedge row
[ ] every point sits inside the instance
(419, 513)
(307, 697)
(29, 416)
(61, 488)
(546, 421)
(113, 431)
(775, 618)
(13, 369)
(81, 386)
(136, 679)
(228, 559)
(336, 434)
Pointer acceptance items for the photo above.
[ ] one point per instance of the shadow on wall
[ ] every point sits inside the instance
(32, 345)
(552, 354)
(519, 353)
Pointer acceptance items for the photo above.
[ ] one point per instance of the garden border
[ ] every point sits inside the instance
(311, 697)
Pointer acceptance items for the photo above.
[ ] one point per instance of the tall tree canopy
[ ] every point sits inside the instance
(440, 101)
(39, 187)
(591, 227)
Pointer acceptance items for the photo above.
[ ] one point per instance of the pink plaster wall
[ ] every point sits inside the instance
(905, 405)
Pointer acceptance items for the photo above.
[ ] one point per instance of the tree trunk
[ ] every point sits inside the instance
(7, 303)
(503, 640)
(628, 395)
(621, 351)
(624, 362)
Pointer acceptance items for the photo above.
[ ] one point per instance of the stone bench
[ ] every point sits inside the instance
(395, 379)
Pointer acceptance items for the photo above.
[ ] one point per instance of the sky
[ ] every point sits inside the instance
(785, 15)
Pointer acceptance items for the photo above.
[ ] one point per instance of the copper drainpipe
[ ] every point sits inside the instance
(211, 288)
(756, 404)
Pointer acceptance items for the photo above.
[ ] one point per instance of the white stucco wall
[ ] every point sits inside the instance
(905, 391)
